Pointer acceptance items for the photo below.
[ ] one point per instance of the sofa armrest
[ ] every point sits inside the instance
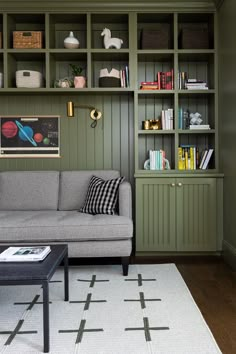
(125, 199)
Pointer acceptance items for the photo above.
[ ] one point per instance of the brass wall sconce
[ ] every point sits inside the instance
(95, 114)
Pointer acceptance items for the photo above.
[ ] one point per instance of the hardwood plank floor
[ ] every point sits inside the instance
(212, 284)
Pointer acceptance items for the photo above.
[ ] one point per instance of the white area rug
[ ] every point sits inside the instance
(151, 311)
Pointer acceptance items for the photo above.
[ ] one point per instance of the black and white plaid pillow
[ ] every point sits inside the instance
(102, 196)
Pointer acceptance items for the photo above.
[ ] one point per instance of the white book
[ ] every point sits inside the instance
(200, 126)
(203, 159)
(25, 254)
(207, 159)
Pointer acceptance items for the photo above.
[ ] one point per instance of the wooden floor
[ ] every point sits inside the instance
(213, 286)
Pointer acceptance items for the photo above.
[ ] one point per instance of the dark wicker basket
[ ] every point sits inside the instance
(158, 38)
(194, 37)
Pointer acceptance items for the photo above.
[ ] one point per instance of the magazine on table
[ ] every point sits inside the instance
(25, 254)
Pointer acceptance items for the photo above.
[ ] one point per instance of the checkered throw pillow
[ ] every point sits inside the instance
(102, 196)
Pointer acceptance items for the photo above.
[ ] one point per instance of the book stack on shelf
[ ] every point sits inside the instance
(124, 77)
(189, 158)
(149, 85)
(165, 80)
(158, 160)
(167, 119)
(199, 126)
(190, 84)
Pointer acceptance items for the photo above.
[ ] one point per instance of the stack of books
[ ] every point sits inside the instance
(194, 84)
(167, 118)
(190, 159)
(124, 77)
(149, 85)
(165, 80)
(199, 127)
(157, 159)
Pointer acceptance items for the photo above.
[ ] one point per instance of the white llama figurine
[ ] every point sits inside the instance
(110, 42)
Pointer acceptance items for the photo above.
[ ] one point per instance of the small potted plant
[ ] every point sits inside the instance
(79, 80)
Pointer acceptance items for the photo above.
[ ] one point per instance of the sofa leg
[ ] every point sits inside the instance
(125, 265)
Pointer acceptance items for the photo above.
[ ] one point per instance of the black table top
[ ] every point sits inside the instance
(38, 271)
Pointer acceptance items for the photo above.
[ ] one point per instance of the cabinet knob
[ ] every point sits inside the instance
(172, 184)
(179, 184)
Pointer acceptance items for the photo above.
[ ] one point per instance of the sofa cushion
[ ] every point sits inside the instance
(74, 186)
(47, 226)
(102, 196)
(29, 190)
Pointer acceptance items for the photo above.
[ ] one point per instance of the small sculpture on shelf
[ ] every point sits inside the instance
(195, 118)
(110, 42)
(66, 82)
(71, 42)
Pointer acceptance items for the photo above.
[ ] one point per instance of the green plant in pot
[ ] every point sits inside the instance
(79, 80)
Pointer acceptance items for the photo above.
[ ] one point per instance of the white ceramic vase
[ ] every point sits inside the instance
(71, 42)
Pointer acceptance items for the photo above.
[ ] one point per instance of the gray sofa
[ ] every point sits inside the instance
(42, 207)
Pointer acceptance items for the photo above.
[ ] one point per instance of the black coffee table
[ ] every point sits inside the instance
(30, 273)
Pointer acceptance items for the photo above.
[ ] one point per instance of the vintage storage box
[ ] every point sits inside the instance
(27, 39)
(194, 36)
(158, 38)
(29, 79)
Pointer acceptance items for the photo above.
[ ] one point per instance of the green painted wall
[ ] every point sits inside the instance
(109, 146)
(227, 85)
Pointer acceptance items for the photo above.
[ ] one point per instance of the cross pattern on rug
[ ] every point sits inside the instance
(32, 303)
(80, 331)
(87, 302)
(124, 315)
(93, 281)
(142, 300)
(16, 331)
(146, 328)
(140, 280)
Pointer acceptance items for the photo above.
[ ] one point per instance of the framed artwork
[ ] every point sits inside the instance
(29, 136)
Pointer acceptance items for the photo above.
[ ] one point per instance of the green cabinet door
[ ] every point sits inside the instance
(176, 215)
(196, 214)
(155, 214)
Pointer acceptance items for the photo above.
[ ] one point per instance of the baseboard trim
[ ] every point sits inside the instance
(229, 254)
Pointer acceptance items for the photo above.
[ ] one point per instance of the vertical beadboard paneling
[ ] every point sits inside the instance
(108, 146)
(196, 215)
(155, 221)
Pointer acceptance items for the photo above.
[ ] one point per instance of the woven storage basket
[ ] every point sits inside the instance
(27, 39)
(29, 79)
(158, 38)
(194, 36)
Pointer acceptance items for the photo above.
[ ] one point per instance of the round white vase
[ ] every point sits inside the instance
(71, 42)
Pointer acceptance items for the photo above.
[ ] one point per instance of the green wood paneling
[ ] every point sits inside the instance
(177, 214)
(196, 214)
(108, 146)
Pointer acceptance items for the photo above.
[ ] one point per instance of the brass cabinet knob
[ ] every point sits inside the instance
(179, 184)
(172, 184)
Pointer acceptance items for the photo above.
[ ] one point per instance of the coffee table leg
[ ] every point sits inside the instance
(45, 317)
(66, 277)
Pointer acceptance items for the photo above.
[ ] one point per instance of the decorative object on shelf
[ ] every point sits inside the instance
(66, 82)
(95, 114)
(29, 79)
(27, 39)
(111, 42)
(79, 80)
(151, 124)
(195, 118)
(71, 42)
(109, 79)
